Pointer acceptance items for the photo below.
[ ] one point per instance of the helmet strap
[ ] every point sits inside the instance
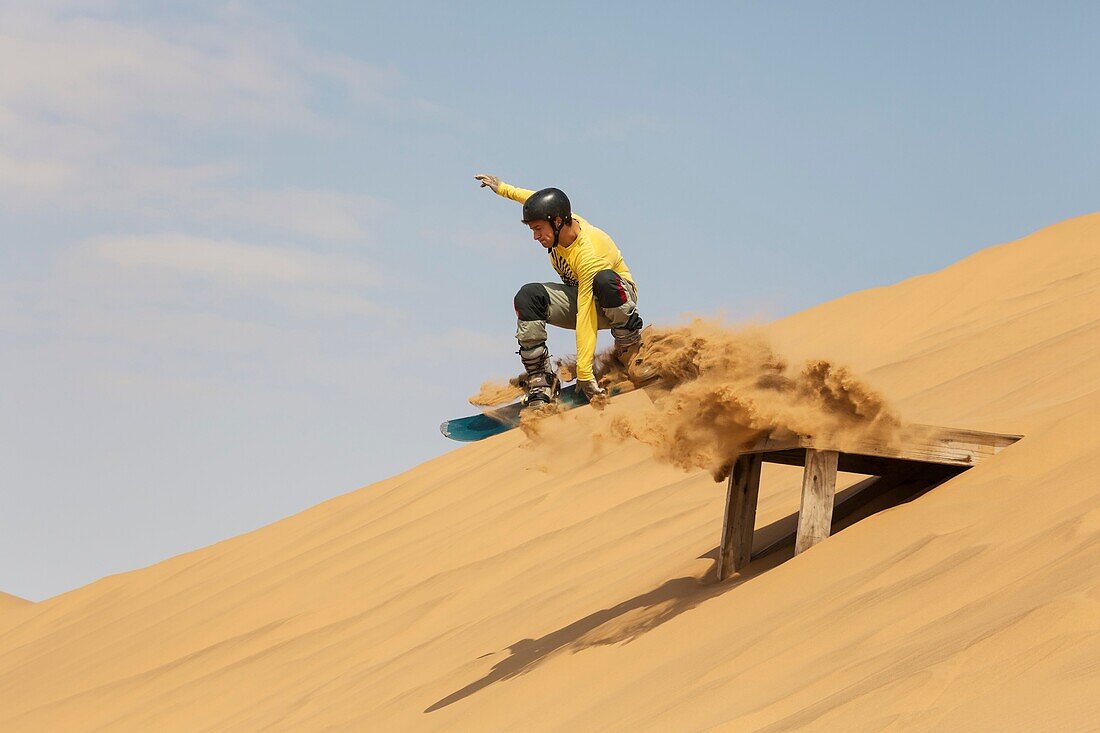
(557, 231)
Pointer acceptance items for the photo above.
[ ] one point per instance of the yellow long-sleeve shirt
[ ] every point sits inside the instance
(577, 264)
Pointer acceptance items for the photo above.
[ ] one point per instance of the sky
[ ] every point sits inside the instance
(244, 266)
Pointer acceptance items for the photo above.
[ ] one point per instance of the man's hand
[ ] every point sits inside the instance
(593, 391)
(488, 181)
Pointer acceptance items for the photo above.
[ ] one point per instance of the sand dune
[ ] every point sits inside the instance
(7, 600)
(556, 588)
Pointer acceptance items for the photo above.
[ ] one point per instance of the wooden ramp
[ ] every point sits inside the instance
(925, 455)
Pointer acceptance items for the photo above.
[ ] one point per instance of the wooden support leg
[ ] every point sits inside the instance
(743, 490)
(818, 486)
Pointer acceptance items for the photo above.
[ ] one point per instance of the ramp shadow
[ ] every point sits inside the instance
(620, 623)
(772, 546)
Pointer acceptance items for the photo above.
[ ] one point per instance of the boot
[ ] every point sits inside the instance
(628, 350)
(542, 384)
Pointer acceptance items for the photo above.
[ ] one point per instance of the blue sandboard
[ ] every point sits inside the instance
(494, 422)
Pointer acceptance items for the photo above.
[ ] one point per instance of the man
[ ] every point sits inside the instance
(597, 291)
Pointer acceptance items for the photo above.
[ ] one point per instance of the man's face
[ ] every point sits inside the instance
(542, 232)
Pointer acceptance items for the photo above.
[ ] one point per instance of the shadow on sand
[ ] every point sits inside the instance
(772, 546)
(624, 621)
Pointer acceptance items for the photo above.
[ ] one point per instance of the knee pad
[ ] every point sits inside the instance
(532, 303)
(608, 288)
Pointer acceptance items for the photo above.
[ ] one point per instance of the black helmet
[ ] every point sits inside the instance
(548, 204)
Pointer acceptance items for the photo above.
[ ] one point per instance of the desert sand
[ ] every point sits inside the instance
(567, 583)
(7, 600)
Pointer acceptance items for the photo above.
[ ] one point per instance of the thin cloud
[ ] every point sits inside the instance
(91, 107)
(205, 192)
(34, 175)
(185, 273)
(317, 214)
(105, 72)
(225, 260)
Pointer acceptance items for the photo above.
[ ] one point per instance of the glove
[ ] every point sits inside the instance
(591, 389)
(488, 181)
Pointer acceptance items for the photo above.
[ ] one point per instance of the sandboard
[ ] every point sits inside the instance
(502, 419)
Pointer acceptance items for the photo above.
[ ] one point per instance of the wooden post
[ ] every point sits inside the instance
(743, 490)
(815, 516)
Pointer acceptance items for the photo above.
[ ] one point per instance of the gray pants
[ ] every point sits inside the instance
(540, 303)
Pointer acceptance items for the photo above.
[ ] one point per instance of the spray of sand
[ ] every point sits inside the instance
(497, 393)
(722, 388)
(494, 392)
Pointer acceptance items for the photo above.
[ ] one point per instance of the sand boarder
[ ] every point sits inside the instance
(596, 292)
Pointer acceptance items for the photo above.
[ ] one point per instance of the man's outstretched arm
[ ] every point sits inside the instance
(501, 188)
